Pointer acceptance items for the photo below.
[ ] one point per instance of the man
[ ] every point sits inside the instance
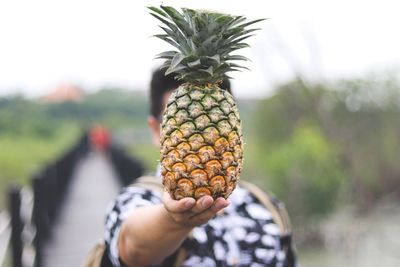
(147, 228)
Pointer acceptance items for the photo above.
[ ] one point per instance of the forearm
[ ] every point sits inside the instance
(149, 235)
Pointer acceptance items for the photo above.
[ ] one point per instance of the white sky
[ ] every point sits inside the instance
(94, 43)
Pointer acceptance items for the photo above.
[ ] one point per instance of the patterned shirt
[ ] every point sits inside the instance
(243, 235)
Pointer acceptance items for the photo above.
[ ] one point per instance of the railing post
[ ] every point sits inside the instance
(40, 217)
(16, 225)
(52, 194)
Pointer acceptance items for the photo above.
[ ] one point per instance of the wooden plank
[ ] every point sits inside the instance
(81, 221)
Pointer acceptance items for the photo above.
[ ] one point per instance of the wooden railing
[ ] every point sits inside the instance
(33, 211)
(20, 227)
(126, 167)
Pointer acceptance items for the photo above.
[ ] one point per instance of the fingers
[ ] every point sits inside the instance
(195, 207)
(178, 206)
(202, 204)
(210, 212)
(189, 212)
(220, 204)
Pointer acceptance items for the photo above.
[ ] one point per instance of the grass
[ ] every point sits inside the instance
(22, 156)
(147, 154)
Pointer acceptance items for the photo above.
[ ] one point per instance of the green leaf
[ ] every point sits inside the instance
(250, 23)
(179, 20)
(209, 41)
(216, 60)
(191, 58)
(157, 10)
(231, 32)
(200, 22)
(223, 19)
(172, 12)
(209, 71)
(236, 57)
(238, 40)
(179, 38)
(164, 21)
(239, 34)
(189, 15)
(167, 54)
(166, 64)
(224, 51)
(172, 34)
(237, 20)
(194, 63)
(167, 39)
(241, 45)
(176, 69)
(176, 31)
(176, 60)
(233, 65)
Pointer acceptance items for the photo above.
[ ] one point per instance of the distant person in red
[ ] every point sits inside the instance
(99, 137)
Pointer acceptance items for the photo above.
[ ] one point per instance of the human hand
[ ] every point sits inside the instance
(188, 212)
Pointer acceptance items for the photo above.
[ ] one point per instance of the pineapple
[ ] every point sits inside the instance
(201, 133)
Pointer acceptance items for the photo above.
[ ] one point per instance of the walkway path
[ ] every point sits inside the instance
(81, 221)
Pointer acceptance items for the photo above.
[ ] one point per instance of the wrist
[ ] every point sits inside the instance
(171, 223)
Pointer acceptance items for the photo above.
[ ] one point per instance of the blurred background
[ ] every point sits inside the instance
(320, 107)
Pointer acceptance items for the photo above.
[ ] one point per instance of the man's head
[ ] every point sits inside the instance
(161, 87)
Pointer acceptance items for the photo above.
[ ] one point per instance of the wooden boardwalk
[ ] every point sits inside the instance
(81, 221)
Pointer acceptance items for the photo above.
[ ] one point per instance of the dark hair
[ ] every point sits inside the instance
(161, 84)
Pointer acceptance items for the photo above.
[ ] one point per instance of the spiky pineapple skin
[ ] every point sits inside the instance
(201, 142)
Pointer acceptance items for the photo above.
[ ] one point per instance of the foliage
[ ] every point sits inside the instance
(364, 123)
(22, 117)
(116, 108)
(305, 170)
(315, 141)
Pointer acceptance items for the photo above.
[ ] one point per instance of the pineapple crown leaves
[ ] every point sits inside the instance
(204, 42)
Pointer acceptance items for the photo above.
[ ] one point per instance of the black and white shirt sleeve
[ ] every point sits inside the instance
(129, 199)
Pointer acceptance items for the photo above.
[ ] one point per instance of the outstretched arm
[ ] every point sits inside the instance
(152, 233)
